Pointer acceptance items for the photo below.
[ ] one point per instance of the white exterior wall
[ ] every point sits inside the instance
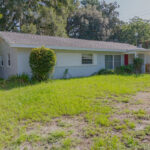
(70, 60)
(5, 70)
(66, 60)
(131, 58)
(147, 58)
(23, 61)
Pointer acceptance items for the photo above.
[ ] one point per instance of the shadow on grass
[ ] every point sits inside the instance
(6, 85)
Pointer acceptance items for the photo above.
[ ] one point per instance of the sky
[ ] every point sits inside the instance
(130, 8)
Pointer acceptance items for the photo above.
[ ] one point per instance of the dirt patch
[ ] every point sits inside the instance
(72, 126)
(137, 110)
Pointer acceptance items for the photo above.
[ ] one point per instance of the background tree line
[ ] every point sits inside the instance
(85, 19)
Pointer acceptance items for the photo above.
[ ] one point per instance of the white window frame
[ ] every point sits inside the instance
(82, 55)
(113, 60)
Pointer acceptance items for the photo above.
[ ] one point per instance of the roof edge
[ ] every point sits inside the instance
(80, 49)
(66, 48)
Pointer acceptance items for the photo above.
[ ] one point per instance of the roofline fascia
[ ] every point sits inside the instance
(80, 49)
(68, 48)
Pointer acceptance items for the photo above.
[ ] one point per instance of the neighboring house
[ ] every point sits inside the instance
(79, 57)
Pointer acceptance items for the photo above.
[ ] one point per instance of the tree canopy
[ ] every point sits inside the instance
(41, 17)
(127, 32)
(88, 23)
(85, 19)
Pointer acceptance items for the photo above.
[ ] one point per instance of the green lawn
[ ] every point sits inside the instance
(93, 99)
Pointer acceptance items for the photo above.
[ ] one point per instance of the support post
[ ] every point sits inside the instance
(135, 55)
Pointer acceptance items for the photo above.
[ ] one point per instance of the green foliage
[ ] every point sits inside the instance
(129, 123)
(46, 17)
(28, 138)
(42, 62)
(139, 113)
(31, 28)
(129, 69)
(129, 141)
(126, 32)
(53, 17)
(1, 16)
(91, 132)
(147, 130)
(109, 11)
(67, 144)
(108, 143)
(137, 62)
(19, 78)
(55, 136)
(88, 23)
(90, 2)
(102, 120)
(39, 103)
(121, 127)
(105, 71)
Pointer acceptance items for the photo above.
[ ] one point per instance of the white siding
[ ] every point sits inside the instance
(23, 61)
(72, 59)
(131, 58)
(147, 58)
(5, 70)
(68, 59)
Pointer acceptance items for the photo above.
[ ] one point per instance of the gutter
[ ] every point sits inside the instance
(79, 49)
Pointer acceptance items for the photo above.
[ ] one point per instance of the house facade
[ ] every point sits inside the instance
(76, 57)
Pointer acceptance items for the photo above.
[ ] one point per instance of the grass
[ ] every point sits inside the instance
(55, 136)
(22, 104)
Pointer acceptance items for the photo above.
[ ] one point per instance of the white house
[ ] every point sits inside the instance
(79, 57)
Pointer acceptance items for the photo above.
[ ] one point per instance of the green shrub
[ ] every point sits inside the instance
(129, 69)
(105, 71)
(24, 78)
(42, 62)
(137, 62)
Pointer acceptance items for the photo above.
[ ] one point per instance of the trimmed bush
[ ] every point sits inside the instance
(129, 69)
(42, 62)
(105, 71)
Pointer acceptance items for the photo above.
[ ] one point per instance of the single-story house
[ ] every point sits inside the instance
(79, 57)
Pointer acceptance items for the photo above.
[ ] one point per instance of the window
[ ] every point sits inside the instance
(109, 62)
(87, 59)
(117, 61)
(112, 61)
(1, 61)
(8, 60)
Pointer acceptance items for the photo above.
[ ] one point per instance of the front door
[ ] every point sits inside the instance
(126, 59)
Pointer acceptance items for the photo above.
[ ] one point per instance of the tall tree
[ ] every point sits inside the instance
(126, 32)
(53, 16)
(88, 23)
(16, 13)
(36, 16)
(107, 12)
(90, 2)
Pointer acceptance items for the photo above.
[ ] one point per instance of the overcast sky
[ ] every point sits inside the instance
(130, 8)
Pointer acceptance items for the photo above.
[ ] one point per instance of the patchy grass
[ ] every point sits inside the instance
(94, 100)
